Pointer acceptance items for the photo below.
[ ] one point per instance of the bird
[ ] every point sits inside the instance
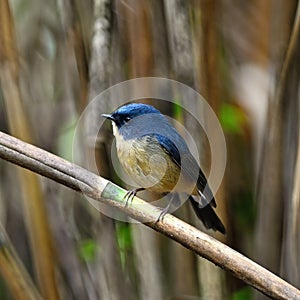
(157, 159)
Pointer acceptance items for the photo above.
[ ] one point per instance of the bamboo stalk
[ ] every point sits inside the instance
(37, 223)
(13, 272)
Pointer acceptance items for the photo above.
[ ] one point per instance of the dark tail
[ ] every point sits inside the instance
(208, 216)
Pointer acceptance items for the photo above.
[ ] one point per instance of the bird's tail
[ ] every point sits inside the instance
(208, 216)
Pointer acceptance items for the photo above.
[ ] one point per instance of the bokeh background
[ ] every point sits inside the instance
(242, 56)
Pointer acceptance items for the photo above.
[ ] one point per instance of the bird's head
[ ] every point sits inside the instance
(122, 117)
(126, 113)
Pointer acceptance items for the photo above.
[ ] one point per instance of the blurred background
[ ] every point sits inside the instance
(57, 55)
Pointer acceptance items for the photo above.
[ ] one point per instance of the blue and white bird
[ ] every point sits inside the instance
(158, 159)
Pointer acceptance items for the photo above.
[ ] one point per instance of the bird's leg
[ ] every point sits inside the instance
(166, 209)
(131, 194)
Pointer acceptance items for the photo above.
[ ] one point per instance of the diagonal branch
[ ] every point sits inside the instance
(100, 189)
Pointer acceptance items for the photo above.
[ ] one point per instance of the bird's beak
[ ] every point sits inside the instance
(110, 117)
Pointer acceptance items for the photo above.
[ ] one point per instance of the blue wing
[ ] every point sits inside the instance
(186, 162)
(169, 148)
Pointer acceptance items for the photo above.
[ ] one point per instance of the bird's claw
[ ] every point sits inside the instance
(162, 214)
(165, 210)
(130, 195)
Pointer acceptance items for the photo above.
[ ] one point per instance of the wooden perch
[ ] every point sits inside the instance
(100, 189)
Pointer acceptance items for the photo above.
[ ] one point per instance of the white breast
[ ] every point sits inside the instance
(143, 170)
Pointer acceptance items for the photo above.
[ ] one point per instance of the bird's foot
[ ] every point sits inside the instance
(163, 213)
(131, 194)
(165, 210)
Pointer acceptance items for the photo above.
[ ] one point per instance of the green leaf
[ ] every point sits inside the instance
(124, 240)
(232, 118)
(177, 108)
(243, 294)
(87, 250)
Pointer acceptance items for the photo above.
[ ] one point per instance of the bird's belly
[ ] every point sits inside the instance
(151, 168)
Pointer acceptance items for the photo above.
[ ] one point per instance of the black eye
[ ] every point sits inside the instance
(127, 119)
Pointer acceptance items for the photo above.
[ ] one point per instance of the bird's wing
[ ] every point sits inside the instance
(190, 167)
(188, 164)
(169, 147)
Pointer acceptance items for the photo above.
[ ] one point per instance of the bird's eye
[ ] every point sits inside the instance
(127, 119)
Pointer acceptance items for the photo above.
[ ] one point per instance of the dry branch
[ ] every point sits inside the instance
(15, 275)
(79, 179)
